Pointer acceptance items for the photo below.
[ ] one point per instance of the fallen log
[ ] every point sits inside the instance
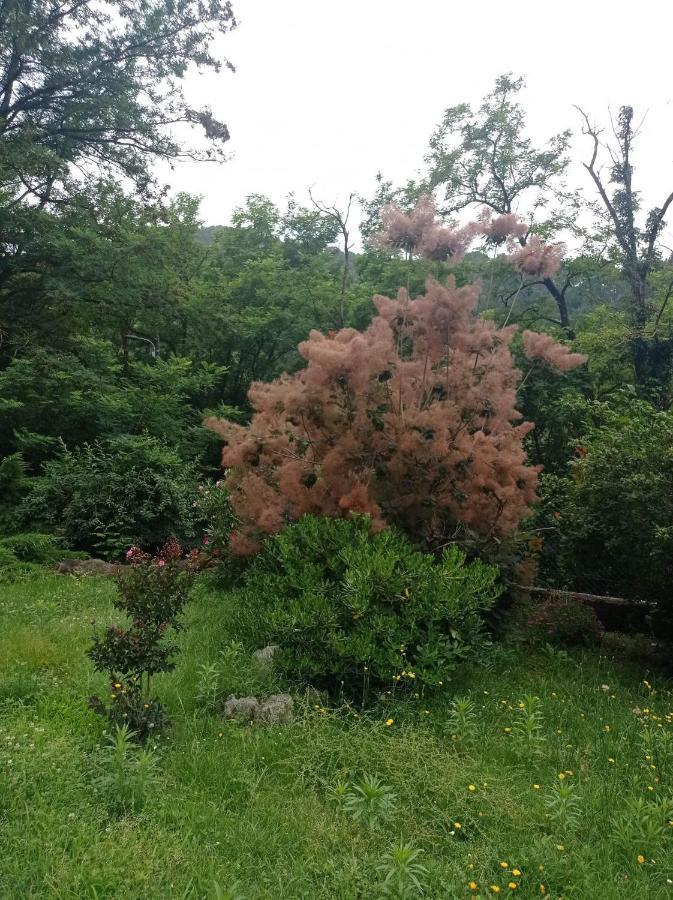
(615, 613)
(582, 597)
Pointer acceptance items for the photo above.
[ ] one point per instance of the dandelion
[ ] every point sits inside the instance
(457, 826)
(390, 722)
(536, 787)
(561, 776)
(640, 859)
(495, 889)
(560, 848)
(472, 787)
(507, 730)
(610, 759)
(543, 889)
(472, 885)
(512, 885)
(516, 872)
(504, 865)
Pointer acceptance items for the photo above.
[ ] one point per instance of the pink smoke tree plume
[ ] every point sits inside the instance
(543, 347)
(420, 233)
(412, 422)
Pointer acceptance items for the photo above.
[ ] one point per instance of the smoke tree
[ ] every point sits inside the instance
(412, 421)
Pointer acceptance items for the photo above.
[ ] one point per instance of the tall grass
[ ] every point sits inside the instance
(560, 778)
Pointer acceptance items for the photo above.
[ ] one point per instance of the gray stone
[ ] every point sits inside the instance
(277, 709)
(263, 658)
(243, 708)
(87, 567)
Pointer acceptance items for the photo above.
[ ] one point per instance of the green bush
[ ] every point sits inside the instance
(33, 547)
(352, 611)
(12, 568)
(562, 620)
(608, 524)
(105, 496)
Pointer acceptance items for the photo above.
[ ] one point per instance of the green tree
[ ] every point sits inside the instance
(484, 158)
(634, 242)
(95, 87)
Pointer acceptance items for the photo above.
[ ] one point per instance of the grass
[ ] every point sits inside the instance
(569, 789)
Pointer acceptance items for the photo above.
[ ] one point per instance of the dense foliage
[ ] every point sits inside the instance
(353, 611)
(609, 522)
(105, 496)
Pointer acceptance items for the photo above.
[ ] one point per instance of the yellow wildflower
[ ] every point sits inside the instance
(495, 889)
(512, 885)
(390, 722)
(504, 865)
(516, 872)
(640, 859)
(536, 787)
(472, 787)
(472, 885)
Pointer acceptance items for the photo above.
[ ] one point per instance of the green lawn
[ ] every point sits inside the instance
(569, 792)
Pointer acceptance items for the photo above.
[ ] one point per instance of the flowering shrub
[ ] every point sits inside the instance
(152, 592)
(412, 422)
(351, 611)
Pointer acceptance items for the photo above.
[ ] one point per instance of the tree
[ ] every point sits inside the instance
(339, 219)
(636, 246)
(95, 86)
(484, 159)
(412, 421)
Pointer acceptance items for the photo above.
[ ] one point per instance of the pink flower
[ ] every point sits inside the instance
(206, 540)
(537, 259)
(161, 563)
(132, 552)
(497, 229)
(558, 356)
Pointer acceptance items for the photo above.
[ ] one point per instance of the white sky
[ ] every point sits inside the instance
(327, 94)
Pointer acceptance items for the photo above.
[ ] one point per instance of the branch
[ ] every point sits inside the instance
(591, 169)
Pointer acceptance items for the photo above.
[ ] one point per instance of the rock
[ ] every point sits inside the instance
(87, 567)
(278, 709)
(243, 708)
(263, 658)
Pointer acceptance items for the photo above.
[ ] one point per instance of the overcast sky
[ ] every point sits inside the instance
(326, 94)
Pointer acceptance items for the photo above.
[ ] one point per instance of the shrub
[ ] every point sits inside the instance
(152, 592)
(564, 620)
(213, 507)
(105, 496)
(608, 525)
(412, 421)
(352, 611)
(21, 555)
(33, 547)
